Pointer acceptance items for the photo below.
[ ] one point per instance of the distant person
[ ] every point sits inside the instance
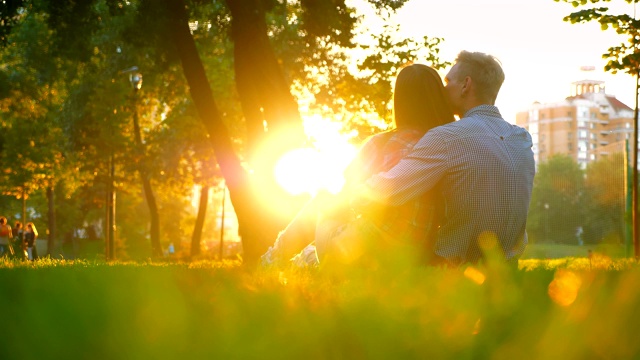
(419, 104)
(30, 237)
(19, 246)
(579, 233)
(481, 164)
(5, 238)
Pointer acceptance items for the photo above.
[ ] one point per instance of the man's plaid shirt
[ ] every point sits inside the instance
(484, 167)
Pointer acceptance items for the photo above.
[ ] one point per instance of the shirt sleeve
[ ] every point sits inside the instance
(361, 166)
(414, 175)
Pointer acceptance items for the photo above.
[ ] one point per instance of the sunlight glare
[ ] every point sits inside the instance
(563, 290)
(308, 170)
(474, 275)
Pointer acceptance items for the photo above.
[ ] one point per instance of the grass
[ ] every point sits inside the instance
(556, 251)
(571, 308)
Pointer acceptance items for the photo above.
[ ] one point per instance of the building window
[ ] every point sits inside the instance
(583, 111)
(582, 146)
(570, 146)
(569, 135)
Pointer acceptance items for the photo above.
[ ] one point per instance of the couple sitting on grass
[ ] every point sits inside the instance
(432, 190)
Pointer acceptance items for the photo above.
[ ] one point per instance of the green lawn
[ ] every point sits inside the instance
(555, 251)
(573, 308)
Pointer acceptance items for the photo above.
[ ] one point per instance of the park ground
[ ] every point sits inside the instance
(563, 308)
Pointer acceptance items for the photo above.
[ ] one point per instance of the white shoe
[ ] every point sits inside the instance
(306, 258)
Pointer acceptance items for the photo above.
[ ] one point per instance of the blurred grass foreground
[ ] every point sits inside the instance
(571, 308)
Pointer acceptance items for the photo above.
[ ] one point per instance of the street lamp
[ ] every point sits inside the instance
(136, 82)
(135, 78)
(546, 221)
(111, 206)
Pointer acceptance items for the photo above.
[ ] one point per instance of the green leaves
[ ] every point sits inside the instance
(626, 56)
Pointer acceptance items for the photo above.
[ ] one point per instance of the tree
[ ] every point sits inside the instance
(264, 90)
(624, 57)
(34, 154)
(605, 198)
(557, 201)
(277, 46)
(8, 17)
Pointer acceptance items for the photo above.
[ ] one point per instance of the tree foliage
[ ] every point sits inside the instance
(259, 59)
(624, 57)
(567, 198)
(557, 200)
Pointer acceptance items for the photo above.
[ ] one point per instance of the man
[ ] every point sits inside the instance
(482, 164)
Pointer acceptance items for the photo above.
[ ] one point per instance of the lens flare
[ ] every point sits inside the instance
(564, 288)
(474, 275)
(320, 167)
(298, 171)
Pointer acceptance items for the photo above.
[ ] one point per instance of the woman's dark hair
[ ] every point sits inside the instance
(3, 220)
(419, 99)
(33, 228)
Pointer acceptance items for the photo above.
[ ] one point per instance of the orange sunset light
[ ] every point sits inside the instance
(319, 166)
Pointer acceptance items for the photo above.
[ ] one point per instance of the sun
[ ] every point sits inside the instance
(320, 167)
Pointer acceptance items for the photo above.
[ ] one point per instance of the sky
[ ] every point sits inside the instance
(541, 54)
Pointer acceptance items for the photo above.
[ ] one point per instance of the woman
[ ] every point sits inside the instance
(5, 237)
(30, 237)
(420, 104)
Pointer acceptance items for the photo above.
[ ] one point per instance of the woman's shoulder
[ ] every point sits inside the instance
(406, 133)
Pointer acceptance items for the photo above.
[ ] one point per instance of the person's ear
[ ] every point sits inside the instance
(466, 85)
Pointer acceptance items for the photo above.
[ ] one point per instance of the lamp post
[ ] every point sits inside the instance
(135, 78)
(136, 81)
(111, 207)
(546, 221)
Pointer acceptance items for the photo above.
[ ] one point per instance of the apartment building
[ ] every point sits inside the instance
(587, 125)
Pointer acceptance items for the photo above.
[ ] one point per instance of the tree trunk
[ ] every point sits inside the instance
(197, 229)
(255, 229)
(52, 221)
(156, 248)
(271, 112)
(265, 94)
